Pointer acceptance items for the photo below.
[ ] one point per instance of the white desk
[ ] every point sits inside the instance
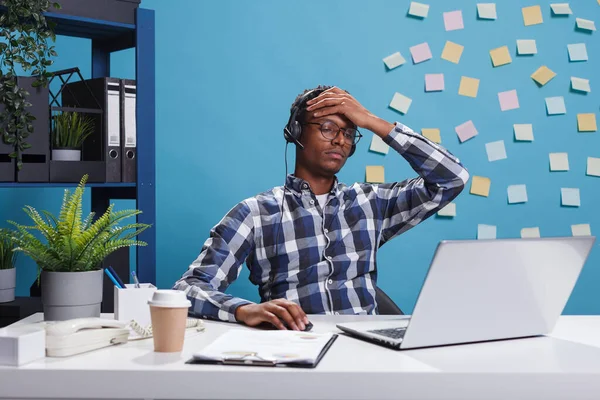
(564, 366)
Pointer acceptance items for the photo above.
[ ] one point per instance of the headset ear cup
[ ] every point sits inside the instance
(296, 131)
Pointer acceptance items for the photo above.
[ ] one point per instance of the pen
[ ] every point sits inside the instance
(135, 279)
(112, 278)
(116, 276)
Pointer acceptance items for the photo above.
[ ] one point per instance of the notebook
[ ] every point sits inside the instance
(266, 348)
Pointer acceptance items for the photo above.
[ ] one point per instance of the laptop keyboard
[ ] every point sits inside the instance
(394, 333)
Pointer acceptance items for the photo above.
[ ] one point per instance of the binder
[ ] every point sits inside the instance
(128, 131)
(105, 143)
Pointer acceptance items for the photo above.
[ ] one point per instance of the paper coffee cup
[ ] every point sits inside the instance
(168, 312)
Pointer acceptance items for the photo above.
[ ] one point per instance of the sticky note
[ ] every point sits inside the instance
(400, 103)
(585, 24)
(570, 197)
(480, 186)
(556, 105)
(420, 53)
(523, 132)
(508, 100)
(495, 150)
(526, 46)
(593, 166)
(378, 145)
(486, 10)
(453, 20)
(586, 122)
(418, 9)
(559, 161)
(468, 86)
(448, 211)
(581, 230)
(543, 75)
(517, 194)
(375, 174)
(394, 60)
(486, 231)
(434, 82)
(532, 15)
(577, 52)
(500, 56)
(530, 232)
(432, 134)
(452, 52)
(580, 84)
(466, 131)
(561, 9)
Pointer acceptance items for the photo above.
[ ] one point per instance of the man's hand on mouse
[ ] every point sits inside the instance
(273, 312)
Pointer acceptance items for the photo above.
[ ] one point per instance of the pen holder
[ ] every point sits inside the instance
(132, 303)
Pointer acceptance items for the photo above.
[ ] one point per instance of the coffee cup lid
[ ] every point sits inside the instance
(169, 298)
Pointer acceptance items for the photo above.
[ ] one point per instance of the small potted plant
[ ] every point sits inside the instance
(69, 131)
(8, 259)
(70, 254)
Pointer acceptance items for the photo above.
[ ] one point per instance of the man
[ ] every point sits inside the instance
(314, 252)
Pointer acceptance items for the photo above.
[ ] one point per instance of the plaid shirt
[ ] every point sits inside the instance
(322, 259)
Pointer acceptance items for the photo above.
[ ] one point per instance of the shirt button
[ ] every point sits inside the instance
(305, 186)
(329, 258)
(312, 202)
(336, 313)
(326, 230)
(330, 281)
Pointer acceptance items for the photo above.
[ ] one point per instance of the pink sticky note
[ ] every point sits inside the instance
(420, 53)
(508, 100)
(453, 20)
(434, 82)
(466, 131)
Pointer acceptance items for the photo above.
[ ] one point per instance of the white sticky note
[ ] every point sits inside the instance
(593, 166)
(517, 194)
(400, 103)
(559, 162)
(585, 24)
(581, 230)
(418, 9)
(526, 46)
(448, 211)
(394, 60)
(577, 52)
(486, 10)
(495, 150)
(378, 145)
(486, 231)
(561, 8)
(570, 197)
(530, 232)
(580, 84)
(556, 105)
(523, 132)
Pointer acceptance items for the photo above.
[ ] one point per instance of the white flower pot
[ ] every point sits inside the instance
(66, 155)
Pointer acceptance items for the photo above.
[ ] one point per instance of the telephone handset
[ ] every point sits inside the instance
(66, 338)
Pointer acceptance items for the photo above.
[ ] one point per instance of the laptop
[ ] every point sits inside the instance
(484, 290)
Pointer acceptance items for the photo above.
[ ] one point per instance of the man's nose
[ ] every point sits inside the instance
(339, 138)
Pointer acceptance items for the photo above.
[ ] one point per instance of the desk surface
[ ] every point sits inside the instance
(563, 365)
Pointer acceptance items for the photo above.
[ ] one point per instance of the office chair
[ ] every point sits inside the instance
(385, 305)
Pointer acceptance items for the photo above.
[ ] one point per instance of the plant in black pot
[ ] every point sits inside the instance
(8, 259)
(69, 131)
(70, 253)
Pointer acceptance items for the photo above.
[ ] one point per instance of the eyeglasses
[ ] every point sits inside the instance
(330, 130)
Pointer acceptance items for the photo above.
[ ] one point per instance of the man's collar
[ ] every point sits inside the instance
(297, 185)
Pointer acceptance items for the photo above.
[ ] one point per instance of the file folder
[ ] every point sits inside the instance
(128, 131)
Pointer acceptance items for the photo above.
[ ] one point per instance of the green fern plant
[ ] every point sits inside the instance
(71, 244)
(8, 257)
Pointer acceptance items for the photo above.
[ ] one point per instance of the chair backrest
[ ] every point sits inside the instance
(385, 305)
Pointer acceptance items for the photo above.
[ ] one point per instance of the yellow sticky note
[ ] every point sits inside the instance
(500, 56)
(375, 174)
(586, 122)
(480, 186)
(532, 15)
(432, 134)
(453, 51)
(543, 75)
(468, 86)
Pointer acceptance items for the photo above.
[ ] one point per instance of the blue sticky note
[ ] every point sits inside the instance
(577, 52)
(556, 105)
(486, 231)
(570, 197)
(517, 194)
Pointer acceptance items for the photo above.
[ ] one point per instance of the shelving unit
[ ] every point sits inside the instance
(108, 37)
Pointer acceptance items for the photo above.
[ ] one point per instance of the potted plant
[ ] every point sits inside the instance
(70, 254)
(69, 131)
(8, 259)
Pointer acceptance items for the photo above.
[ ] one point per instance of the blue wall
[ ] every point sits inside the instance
(227, 72)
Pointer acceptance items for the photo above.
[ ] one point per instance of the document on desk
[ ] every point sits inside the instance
(266, 348)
